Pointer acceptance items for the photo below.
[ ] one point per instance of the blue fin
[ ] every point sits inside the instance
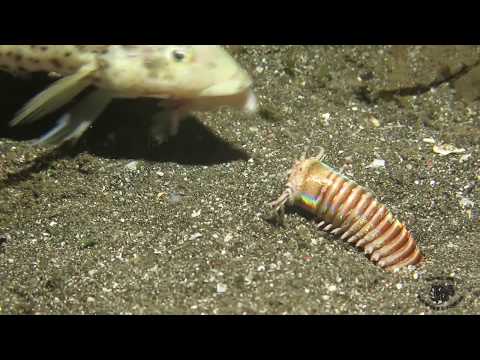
(73, 124)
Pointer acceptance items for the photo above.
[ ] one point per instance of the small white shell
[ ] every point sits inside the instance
(447, 149)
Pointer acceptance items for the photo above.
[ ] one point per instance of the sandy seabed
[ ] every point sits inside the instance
(122, 225)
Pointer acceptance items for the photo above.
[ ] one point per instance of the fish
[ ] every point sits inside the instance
(184, 79)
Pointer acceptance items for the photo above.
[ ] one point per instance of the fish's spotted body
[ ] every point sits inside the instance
(186, 77)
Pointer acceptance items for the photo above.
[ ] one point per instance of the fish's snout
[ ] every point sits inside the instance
(236, 84)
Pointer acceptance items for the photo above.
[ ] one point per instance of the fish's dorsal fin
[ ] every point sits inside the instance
(55, 96)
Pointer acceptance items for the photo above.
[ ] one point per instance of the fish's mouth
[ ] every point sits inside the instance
(235, 92)
(237, 84)
(245, 101)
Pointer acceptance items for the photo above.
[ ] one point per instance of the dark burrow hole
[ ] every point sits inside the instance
(440, 293)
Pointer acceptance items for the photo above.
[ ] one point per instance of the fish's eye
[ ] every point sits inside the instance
(179, 55)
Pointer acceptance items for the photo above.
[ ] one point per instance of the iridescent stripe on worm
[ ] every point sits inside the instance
(345, 208)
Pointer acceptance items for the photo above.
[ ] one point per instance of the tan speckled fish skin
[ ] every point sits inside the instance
(188, 77)
(61, 59)
(135, 70)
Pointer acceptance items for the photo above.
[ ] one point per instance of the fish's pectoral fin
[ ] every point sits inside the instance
(166, 124)
(76, 121)
(55, 96)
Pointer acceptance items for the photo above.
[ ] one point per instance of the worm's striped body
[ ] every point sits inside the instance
(350, 210)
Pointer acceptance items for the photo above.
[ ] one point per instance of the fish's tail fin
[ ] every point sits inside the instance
(73, 124)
